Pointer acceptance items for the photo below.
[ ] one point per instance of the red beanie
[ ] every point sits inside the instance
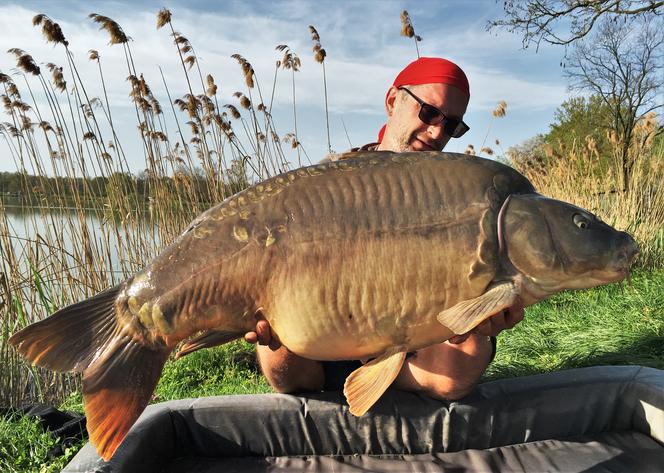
(431, 70)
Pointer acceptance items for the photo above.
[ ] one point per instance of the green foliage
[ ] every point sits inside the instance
(580, 129)
(229, 369)
(612, 325)
(24, 447)
(577, 118)
(118, 186)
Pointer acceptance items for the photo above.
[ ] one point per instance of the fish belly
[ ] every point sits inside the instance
(362, 297)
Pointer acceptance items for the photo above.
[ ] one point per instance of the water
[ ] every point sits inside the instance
(26, 225)
(52, 243)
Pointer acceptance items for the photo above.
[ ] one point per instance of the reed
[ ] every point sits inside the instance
(578, 174)
(408, 30)
(319, 56)
(95, 222)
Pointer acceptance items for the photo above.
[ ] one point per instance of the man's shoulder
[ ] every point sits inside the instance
(367, 147)
(349, 154)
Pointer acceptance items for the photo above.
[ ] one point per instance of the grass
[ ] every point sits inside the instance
(612, 325)
(199, 374)
(26, 447)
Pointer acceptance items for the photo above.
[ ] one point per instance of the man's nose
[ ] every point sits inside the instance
(436, 131)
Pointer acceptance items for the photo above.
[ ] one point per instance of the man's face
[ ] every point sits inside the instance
(406, 132)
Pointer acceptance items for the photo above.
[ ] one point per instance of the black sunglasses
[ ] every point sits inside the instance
(433, 116)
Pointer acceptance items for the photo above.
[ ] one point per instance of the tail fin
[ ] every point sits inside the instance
(117, 388)
(119, 373)
(70, 339)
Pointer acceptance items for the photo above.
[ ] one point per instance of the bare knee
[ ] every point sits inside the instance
(446, 371)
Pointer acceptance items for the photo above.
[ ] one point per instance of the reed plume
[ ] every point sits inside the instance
(163, 17)
(25, 62)
(211, 86)
(114, 30)
(247, 70)
(408, 30)
(57, 77)
(51, 30)
(244, 100)
(498, 112)
(500, 109)
(234, 111)
(319, 57)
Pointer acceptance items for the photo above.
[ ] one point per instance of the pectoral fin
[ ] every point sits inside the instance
(366, 384)
(466, 315)
(208, 339)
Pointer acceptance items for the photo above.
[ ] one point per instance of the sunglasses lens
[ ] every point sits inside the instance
(456, 128)
(430, 115)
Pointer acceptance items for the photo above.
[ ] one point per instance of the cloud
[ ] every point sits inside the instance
(361, 38)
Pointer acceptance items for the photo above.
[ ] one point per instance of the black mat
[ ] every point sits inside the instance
(585, 420)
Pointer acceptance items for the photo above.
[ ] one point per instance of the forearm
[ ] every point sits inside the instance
(287, 372)
(447, 371)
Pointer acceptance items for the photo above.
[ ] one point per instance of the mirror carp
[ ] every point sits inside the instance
(371, 256)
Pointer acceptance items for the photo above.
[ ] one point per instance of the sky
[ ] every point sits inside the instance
(364, 53)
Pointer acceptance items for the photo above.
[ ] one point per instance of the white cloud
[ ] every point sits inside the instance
(364, 54)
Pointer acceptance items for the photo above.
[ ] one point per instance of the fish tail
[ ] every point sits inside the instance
(117, 388)
(119, 372)
(72, 337)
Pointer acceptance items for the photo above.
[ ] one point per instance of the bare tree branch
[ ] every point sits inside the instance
(563, 22)
(621, 63)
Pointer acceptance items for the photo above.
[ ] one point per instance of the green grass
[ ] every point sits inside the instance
(617, 324)
(612, 325)
(24, 447)
(229, 369)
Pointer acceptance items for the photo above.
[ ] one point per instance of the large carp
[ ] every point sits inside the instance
(369, 257)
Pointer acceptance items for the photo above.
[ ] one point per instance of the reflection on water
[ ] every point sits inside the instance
(65, 246)
(27, 224)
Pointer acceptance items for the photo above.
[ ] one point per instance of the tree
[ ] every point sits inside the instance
(622, 65)
(581, 123)
(545, 20)
(529, 155)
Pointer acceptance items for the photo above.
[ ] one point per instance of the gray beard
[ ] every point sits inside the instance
(402, 141)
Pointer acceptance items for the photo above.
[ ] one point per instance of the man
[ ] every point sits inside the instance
(425, 107)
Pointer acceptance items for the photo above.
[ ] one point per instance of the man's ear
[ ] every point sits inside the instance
(390, 100)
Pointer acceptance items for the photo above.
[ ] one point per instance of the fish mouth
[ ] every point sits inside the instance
(612, 275)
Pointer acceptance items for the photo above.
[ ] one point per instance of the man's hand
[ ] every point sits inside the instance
(263, 335)
(495, 324)
(284, 370)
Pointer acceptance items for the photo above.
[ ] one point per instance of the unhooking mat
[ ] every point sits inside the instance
(600, 419)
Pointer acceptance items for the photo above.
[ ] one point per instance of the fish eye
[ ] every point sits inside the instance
(581, 221)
